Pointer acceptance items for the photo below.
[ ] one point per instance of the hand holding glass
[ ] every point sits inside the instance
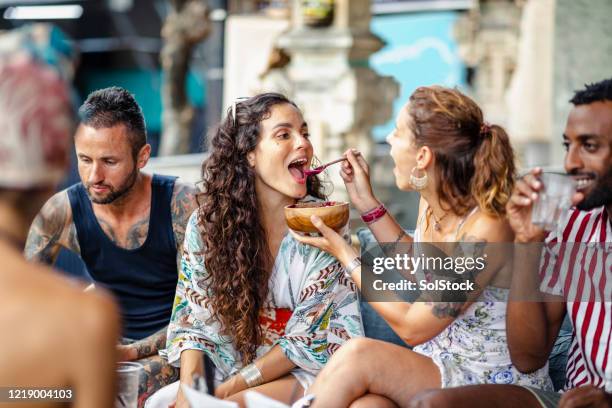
(553, 201)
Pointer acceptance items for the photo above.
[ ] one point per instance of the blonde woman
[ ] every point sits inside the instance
(463, 169)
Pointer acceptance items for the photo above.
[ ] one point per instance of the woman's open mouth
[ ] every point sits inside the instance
(296, 169)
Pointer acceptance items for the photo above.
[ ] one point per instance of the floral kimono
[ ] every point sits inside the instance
(312, 309)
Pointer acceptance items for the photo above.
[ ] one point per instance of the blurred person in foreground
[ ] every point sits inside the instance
(569, 275)
(463, 169)
(53, 333)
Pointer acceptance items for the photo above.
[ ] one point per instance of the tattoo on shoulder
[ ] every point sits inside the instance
(51, 229)
(183, 205)
(466, 237)
(444, 309)
(476, 248)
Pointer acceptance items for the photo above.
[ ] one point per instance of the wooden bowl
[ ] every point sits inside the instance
(334, 214)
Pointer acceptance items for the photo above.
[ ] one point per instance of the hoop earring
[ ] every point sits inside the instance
(418, 182)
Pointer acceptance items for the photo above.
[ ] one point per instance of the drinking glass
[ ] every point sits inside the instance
(553, 201)
(128, 374)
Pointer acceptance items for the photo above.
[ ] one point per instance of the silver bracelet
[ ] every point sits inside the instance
(252, 376)
(354, 264)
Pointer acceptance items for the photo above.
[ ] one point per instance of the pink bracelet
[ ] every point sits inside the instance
(374, 215)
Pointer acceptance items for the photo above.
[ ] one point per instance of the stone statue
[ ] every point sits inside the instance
(185, 26)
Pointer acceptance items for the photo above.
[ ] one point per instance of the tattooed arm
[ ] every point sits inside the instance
(421, 321)
(52, 229)
(427, 319)
(144, 348)
(182, 206)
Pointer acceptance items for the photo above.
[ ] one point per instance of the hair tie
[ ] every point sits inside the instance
(485, 129)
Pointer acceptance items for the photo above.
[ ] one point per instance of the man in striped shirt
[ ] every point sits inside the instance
(574, 278)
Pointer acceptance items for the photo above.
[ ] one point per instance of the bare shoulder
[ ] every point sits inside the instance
(483, 227)
(60, 315)
(99, 315)
(88, 325)
(68, 296)
(183, 204)
(60, 335)
(95, 312)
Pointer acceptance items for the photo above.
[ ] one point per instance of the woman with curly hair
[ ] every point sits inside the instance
(267, 310)
(463, 169)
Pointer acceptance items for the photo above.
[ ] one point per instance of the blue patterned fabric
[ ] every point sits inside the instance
(305, 280)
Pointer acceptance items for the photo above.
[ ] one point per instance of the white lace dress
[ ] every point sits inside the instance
(474, 348)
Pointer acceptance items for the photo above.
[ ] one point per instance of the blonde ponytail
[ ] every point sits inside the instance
(494, 170)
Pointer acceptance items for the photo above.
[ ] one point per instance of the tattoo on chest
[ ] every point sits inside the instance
(133, 238)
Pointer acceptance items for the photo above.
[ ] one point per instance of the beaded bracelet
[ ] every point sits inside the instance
(374, 215)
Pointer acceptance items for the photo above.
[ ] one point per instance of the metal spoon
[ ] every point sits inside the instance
(319, 169)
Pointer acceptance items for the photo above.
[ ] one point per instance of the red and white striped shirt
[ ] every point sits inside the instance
(583, 276)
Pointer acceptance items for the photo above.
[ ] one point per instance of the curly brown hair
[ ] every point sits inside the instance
(475, 160)
(237, 258)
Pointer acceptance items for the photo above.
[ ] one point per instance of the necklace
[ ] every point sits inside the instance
(437, 221)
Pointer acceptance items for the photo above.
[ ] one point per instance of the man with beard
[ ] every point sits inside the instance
(125, 224)
(574, 279)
